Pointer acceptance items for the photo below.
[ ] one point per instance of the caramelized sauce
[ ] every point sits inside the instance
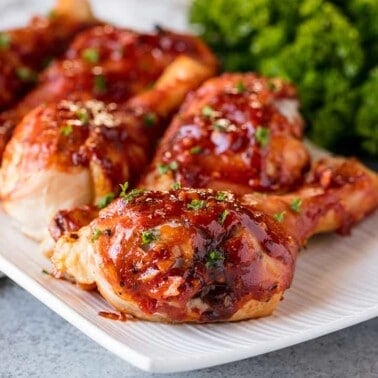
(193, 255)
(29, 49)
(73, 134)
(217, 136)
(126, 64)
(121, 316)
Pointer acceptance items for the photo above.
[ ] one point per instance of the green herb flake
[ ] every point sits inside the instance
(135, 193)
(213, 258)
(262, 136)
(196, 150)
(148, 236)
(44, 271)
(296, 204)
(52, 15)
(26, 74)
(105, 200)
(208, 111)
(99, 84)
(221, 196)
(91, 55)
(176, 186)
(66, 130)
(223, 215)
(124, 188)
(272, 86)
(165, 168)
(4, 41)
(221, 125)
(149, 119)
(96, 234)
(196, 204)
(279, 217)
(240, 87)
(83, 116)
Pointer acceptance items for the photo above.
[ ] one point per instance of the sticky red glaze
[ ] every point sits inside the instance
(113, 137)
(115, 316)
(70, 221)
(336, 195)
(234, 158)
(128, 63)
(32, 47)
(178, 262)
(351, 186)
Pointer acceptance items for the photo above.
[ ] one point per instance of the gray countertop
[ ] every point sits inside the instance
(34, 341)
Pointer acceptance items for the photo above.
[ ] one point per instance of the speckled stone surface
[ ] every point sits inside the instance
(35, 342)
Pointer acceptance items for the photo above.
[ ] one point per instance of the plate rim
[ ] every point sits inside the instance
(159, 365)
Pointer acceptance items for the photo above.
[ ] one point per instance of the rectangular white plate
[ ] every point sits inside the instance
(335, 286)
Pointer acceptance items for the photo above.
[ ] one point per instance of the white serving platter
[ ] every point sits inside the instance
(335, 285)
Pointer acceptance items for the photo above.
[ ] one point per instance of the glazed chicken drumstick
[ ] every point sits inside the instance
(73, 153)
(192, 255)
(26, 51)
(240, 132)
(108, 64)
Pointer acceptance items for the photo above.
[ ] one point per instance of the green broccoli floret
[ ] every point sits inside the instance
(325, 47)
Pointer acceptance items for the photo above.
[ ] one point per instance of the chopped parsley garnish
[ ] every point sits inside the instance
(221, 196)
(223, 216)
(149, 119)
(44, 271)
(105, 200)
(99, 84)
(148, 237)
(176, 186)
(52, 15)
(262, 136)
(26, 74)
(165, 168)
(96, 234)
(213, 258)
(4, 41)
(208, 111)
(240, 87)
(133, 194)
(66, 130)
(279, 217)
(83, 116)
(196, 150)
(221, 124)
(196, 204)
(296, 204)
(272, 85)
(91, 55)
(124, 188)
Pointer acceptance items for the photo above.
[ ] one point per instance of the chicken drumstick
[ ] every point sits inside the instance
(25, 51)
(204, 256)
(107, 64)
(73, 153)
(239, 132)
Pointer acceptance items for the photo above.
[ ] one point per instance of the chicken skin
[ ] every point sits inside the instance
(107, 64)
(239, 132)
(198, 255)
(72, 153)
(26, 51)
